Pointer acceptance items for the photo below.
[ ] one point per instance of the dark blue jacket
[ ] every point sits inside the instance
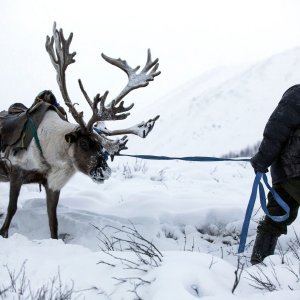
(280, 147)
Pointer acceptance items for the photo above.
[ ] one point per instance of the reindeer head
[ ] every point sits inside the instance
(88, 155)
(90, 146)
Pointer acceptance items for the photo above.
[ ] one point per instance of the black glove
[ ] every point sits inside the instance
(258, 168)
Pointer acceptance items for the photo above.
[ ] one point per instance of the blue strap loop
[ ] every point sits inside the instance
(258, 185)
(277, 198)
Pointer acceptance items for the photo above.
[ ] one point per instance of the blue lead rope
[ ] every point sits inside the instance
(187, 158)
(258, 185)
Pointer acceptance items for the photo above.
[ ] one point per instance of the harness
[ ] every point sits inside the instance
(31, 126)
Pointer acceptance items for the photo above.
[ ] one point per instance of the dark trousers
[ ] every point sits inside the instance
(289, 191)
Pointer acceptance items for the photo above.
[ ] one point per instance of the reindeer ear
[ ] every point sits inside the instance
(71, 137)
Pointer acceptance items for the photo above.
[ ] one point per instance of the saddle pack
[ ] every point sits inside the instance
(18, 125)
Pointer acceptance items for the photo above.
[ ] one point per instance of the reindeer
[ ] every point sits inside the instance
(67, 147)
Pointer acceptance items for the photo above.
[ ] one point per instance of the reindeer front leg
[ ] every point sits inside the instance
(52, 201)
(14, 191)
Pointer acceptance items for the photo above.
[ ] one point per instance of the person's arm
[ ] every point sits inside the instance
(283, 121)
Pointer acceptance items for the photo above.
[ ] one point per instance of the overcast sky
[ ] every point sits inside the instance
(188, 36)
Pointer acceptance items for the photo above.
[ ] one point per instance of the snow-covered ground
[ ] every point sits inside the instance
(188, 215)
(192, 213)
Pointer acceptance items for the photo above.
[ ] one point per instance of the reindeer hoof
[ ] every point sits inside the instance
(66, 237)
(4, 233)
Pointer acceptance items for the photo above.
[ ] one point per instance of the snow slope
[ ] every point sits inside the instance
(192, 212)
(221, 111)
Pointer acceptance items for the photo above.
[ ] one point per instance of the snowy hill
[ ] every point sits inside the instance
(221, 111)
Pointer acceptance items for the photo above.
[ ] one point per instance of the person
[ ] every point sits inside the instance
(280, 149)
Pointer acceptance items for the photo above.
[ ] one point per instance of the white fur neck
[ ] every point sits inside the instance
(57, 153)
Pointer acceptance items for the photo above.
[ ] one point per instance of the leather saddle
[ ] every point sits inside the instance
(15, 132)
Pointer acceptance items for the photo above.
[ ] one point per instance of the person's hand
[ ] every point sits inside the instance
(258, 168)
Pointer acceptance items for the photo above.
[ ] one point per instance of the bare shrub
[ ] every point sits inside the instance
(260, 280)
(147, 256)
(21, 287)
(127, 238)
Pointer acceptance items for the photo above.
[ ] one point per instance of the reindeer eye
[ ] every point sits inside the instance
(84, 144)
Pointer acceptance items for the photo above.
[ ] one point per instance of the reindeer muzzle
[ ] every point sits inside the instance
(100, 174)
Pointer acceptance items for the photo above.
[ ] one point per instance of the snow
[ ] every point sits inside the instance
(192, 212)
(221, 111)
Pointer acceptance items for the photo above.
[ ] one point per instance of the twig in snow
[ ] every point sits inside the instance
(212, 262)
(262, 281)
(238, 273)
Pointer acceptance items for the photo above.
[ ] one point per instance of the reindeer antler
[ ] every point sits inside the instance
(135, 80)
(116, 110)
(58, 49)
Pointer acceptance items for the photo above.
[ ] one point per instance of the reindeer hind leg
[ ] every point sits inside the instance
(15, 187)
